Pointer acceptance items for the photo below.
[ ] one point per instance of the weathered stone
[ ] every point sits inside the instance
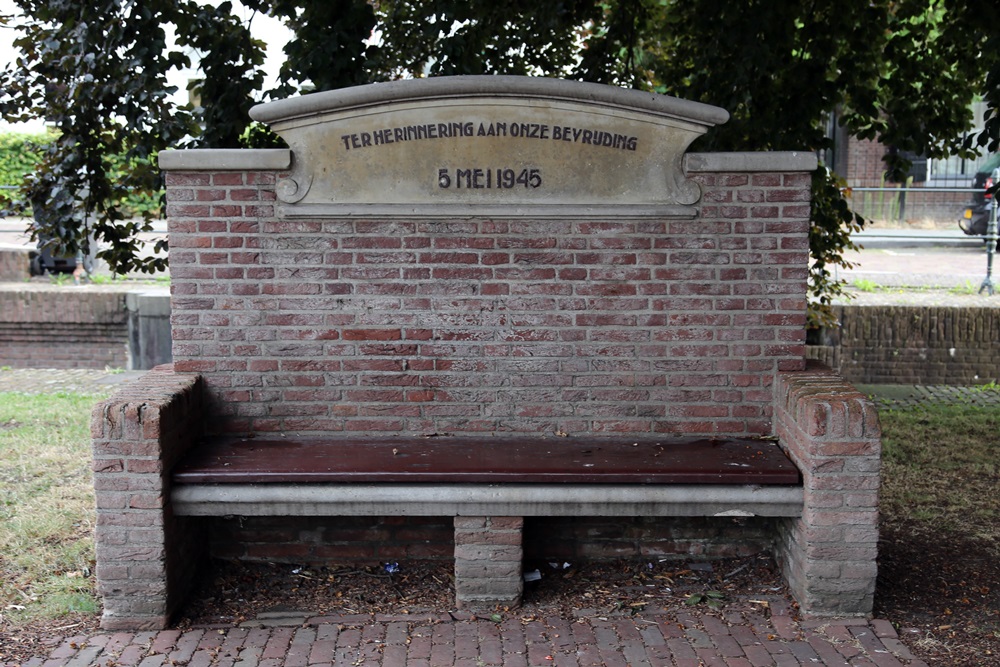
(526, 147)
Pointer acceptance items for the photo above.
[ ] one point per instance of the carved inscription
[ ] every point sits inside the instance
(489, 179)
(511, 146)
(462, 129)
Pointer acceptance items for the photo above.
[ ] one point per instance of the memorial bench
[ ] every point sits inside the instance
(158, 480)
(487, 477)
(349, 285)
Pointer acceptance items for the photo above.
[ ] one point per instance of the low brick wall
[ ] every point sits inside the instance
(48, 326)
(369, 540)
(889, 344)
(15, 263)
(298, 539)
(577, 539)
(98, 326)
(144, 553)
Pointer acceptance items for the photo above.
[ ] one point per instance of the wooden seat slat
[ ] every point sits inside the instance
(487, 460)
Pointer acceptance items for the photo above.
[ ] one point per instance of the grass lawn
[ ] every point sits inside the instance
(46, 506)
(940, 467)
(939, 558)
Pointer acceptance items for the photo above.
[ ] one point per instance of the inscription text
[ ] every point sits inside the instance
(480, 178)
(468, 129)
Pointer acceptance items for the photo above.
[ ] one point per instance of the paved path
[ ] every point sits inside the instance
(733, 638)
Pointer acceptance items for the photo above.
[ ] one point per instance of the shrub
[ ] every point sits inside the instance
(18, 155)
(19, 152)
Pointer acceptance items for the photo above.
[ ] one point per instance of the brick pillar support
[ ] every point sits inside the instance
(832, 433)
(145, 555)
(488, 555)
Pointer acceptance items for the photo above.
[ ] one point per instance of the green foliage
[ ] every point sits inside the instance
(450, 37)
(989, 387)
(982, 18)
(863, 285)
(713, 599)
(930, 69)
(833, 222)
(231, 66)
(97, 72)
(258, 135)
(618, 50)
(330, 46)
(965, 289)
(18, 155)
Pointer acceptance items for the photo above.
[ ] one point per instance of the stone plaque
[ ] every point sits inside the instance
(490, 145)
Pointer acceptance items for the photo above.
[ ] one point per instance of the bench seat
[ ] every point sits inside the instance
(503, 476)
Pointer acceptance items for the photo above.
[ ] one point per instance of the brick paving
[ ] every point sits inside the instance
(742, 634)
(738, 636)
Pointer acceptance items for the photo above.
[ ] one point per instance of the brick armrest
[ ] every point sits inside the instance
(153, 420)
(138, 435)
(831, 431)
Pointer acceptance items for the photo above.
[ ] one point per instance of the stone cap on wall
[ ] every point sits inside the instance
(489, 86)
(280, 159)
(488, 145)
(225, 159)
(776, 161)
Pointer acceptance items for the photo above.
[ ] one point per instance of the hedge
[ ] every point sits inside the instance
(19, 153)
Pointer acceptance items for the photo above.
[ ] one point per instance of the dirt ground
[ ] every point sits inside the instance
(943, 596)
(240, 592)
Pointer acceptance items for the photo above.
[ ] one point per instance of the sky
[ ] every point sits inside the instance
(264, 27)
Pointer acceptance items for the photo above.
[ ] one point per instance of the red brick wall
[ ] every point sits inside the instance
(333, 539)
(832, 433)
(44, 326)
(944, 345)
(488, 325)
(605, 538)
(866, 169)
(380, 539)
(145, 554)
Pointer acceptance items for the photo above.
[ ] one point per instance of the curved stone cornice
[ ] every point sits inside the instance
(491, 145)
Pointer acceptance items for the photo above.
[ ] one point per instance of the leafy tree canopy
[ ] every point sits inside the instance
(900, 71)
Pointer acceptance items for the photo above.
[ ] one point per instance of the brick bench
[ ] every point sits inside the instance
(340, 288)
(158, 480)
(489, 485)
